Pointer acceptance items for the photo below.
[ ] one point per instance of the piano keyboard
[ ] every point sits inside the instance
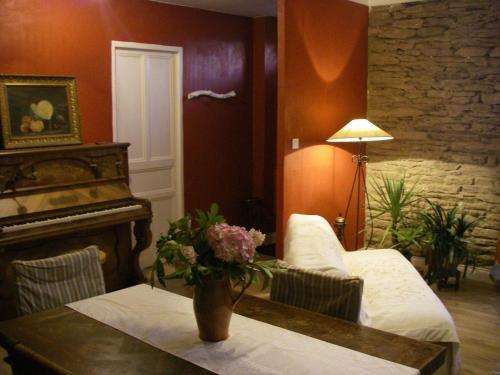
(69, 218)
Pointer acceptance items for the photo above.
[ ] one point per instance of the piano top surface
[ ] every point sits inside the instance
(63, 149)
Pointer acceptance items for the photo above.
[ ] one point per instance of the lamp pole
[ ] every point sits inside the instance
(358, 131)
(359, 159)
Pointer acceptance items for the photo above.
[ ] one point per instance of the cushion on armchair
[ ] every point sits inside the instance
(50, 282)
(324, 292)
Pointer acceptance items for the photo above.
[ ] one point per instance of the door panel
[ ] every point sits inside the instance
(147, 113)
(160, 107)
(129, 83)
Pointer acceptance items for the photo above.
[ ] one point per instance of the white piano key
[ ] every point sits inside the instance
(70, 218)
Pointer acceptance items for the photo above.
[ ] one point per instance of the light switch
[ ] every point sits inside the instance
(295, 144)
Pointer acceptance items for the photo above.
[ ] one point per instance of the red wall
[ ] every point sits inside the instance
(73, 37)
(322, 71)
(264, 81)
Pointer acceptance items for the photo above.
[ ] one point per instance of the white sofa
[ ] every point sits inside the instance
(395, 298)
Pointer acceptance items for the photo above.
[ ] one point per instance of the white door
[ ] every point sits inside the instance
(147, 95)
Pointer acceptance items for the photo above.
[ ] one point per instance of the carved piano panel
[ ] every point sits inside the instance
(60, 199)
(56, 166)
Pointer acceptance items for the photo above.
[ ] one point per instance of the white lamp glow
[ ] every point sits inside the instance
(360, 130)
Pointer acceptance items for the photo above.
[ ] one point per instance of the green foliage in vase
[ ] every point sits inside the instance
(447, 236)
(211, 249)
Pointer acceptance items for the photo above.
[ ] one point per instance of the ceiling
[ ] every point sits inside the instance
(249, 8)
(255, 8)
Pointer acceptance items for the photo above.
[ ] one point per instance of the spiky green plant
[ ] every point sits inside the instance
(448, 240)
(409, 236)
(395, 199)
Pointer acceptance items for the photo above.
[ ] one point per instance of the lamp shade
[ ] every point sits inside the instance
(360, 130)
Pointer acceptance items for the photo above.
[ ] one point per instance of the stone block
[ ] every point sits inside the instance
(491, 98)
(411, 23)
(405, 112)
(470, 5)
(486, 233)
(479, 61)
(431, 51)
(443, 94)
(472, 51)
(453, 74)
(394, 33)
(383, 59)
(430, 31)
(495, 52)
(472, 159)
(439, 20)
(426, 8)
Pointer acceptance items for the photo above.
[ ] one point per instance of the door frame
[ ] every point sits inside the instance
(177, 107)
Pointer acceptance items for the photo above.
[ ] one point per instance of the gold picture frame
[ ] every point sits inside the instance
(39, 111)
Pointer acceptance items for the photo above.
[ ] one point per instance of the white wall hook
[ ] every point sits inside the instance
(212, 94)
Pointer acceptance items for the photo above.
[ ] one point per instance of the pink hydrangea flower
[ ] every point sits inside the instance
(231, 243)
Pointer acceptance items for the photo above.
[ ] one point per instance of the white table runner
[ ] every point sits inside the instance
(166, 321)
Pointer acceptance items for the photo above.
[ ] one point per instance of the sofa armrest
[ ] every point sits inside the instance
(319, 291)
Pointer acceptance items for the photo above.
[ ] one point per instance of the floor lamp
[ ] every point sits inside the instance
(359, 131)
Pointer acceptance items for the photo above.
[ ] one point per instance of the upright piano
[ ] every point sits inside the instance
(58, 199)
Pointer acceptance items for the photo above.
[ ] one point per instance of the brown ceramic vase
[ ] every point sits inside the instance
(213, 307)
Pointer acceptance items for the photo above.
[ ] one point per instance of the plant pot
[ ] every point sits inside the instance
(444, 282)
(213, 307)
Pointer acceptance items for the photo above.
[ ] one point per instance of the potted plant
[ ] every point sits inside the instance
(214, 257)
(447, 235)
(394, 199)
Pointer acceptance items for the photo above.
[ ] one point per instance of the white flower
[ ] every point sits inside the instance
(189, 253)
(257, 236)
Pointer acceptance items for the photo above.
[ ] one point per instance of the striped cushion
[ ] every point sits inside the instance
(323, 292)
(47, 283)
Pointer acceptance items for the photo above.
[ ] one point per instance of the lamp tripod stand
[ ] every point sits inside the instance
(359, 177)
(358, 130)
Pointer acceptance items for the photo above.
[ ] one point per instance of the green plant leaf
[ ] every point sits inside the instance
(392, 198)
(160, 272)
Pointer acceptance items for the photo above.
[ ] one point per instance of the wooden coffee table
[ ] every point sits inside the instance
(63, 341)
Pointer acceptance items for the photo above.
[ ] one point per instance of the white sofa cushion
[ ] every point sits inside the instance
(396, 299)
(393, 288)
(311, 243)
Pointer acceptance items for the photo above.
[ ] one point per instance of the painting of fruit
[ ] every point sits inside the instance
(38, 111)
(25, 127)
(37, 126)
(45, 108)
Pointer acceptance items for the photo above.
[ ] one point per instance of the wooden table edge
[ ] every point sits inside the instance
(427, 368)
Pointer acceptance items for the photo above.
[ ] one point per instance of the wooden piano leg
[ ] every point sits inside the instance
(143, 238)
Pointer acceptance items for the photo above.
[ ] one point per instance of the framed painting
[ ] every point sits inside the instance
(39, 111)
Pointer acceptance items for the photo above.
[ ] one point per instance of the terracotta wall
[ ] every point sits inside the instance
(73, 37)
(322, 71)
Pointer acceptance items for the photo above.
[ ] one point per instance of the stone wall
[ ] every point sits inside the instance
(434, 84)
